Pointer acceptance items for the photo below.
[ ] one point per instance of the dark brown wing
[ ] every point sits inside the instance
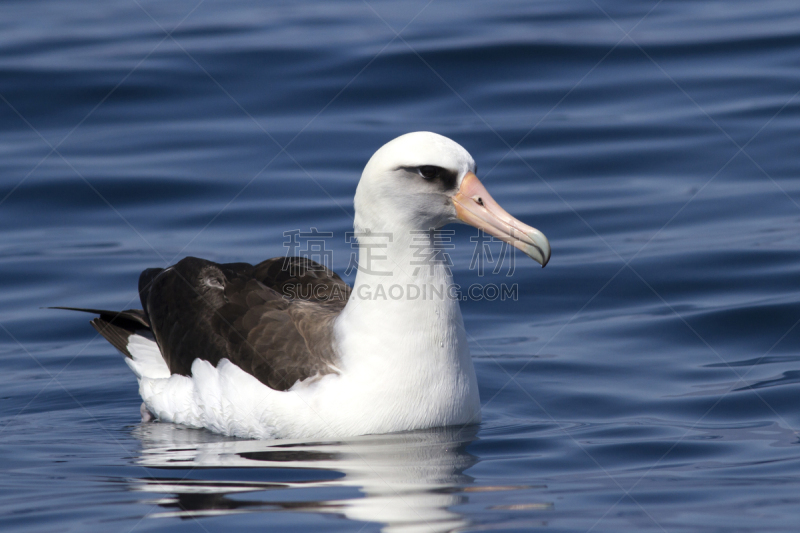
(117, 326)
(273, 320)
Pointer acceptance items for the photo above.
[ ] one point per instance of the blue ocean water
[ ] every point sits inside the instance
(647, 380)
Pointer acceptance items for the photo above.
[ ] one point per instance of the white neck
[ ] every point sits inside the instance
(403, 296)
(405, 328)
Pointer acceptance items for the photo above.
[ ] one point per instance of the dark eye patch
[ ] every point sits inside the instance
(430, 172)
(446, 178)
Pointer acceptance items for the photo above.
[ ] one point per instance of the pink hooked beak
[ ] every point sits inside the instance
(475, 206)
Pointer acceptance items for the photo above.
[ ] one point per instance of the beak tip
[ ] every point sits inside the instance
(475, 206)
(540, 251)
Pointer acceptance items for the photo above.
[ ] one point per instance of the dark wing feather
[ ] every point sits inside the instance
(181, 303)
(117, 326)
(273, 320)
(136, 316)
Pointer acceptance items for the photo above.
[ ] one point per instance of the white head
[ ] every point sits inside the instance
(423, 180)
(409, 181)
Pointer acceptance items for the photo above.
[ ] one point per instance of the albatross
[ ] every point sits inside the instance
(286, 349)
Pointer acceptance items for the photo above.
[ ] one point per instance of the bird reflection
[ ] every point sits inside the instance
(406, 481)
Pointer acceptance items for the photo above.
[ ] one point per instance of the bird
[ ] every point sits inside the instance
(287, 349)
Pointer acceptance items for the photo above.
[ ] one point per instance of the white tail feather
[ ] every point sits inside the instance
(147, 359)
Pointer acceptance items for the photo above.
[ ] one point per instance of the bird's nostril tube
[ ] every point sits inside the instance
(479, 200)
